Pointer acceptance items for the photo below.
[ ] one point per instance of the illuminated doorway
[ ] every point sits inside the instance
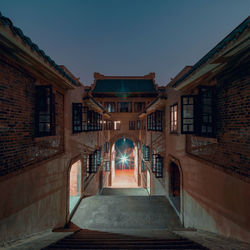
(75, 183)
(124, 164)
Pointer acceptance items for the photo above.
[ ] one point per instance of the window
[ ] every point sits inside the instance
(124, 107)
(143, 167)
(145, 152)
(187, 114)
(135, 125)
(86, 163)
(197, 116)
(77, 117)
(106, 147)
(173, 118)
(205, 110)
(154, 121)
(154, 162)
(132, 125)
(107, 166)
(93, 162)
(158, 120)
(149, 122)
(109, 106)
(45, 111)
(159, 167)
(139, 106)
(84, 119)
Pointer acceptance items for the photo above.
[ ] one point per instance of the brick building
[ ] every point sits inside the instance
(189, 140)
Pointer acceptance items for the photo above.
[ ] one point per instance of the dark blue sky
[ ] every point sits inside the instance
(126, 37)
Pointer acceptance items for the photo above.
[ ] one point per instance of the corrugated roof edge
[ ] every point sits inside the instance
(34, 47)
(233, 35)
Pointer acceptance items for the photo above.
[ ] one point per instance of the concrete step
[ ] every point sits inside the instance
(106, 212)
(125, 191)
(87, 239)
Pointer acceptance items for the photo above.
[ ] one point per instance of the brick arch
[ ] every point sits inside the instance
(170, 160)
(68, 170)
(133, 138)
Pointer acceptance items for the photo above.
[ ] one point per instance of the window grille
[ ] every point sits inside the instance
(93, 162)
(187, 114)
(107, 166)
(205, 110)
(142, 166)
(145, 152)
(99, 156)
(132, 125)
(197, 113)
(106, 147)
(159, 167)
(124, 107)
(155, 120)
(77, 117)
(109, 106)
(154, 162)
(45, 111)
(139, 106)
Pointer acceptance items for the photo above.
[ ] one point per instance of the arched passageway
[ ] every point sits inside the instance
(175, 189)
(75, 183)
(124, 163)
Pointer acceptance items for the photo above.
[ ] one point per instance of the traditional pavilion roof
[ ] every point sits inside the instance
(124, 85)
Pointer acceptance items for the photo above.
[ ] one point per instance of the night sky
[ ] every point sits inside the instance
(126, 37)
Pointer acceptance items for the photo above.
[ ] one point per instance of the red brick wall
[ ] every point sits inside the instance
(231, 151)
(18, 147)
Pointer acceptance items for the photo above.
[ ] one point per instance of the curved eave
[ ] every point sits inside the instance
(216, 59)
(157, 104)
(96, 106)
(14, 48)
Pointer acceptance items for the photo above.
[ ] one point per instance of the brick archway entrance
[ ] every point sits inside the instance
(174, 185)
(124, 169)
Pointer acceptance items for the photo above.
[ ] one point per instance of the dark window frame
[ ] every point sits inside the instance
(107, 166)
(41, 106)
(139, 106)
(203, 93)
(122, 107)
(198, 113)
(76, 118)
(155, 121)
(173, 123)
(110, 105)
(188, 124)
(159, 166)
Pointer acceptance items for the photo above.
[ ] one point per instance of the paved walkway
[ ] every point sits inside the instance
(124, 179)
(109, 212)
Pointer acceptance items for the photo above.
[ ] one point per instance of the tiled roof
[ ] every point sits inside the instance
(124, 85)
(34, 47)
(232, 36)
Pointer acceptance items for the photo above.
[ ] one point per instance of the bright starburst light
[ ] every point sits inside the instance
(124, 159)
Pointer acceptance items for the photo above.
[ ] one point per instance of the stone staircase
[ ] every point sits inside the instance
(88, 239)
(125, 219)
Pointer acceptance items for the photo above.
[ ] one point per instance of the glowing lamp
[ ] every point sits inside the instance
(124, 159)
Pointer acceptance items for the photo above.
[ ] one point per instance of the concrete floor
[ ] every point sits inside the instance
(109, 212)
